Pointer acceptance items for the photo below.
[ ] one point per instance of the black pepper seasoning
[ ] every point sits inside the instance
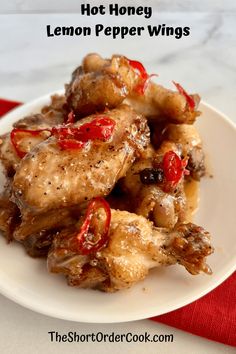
(151, 175)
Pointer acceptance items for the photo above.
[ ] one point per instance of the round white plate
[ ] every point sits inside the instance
(27, 282)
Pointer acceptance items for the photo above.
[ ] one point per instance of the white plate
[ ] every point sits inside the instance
(27, 282)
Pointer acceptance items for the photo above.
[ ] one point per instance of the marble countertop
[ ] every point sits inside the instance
(32, 65)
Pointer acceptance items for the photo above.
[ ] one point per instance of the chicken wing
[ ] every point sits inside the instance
(9, 215)
(150, 198)
(134, 247)
(50, 116)
(118, 78)
(114, 78)
(49, 177)
(161, 104)
(189, 138)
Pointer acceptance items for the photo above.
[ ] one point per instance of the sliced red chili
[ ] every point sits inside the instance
(16, 136)
(184, 165)
(189, 99)
(144, 76)
(99, 128)
(136, 65)
(70, 137)
(75, 138)
(141, 88)
(67, 138)
(63, 132)
(70, 118)
(70, 144)
(88, 240)
(172, 167)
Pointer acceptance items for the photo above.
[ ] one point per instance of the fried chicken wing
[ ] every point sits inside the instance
(8, 156)
(50, 177)
(189, 138)
(9, 216)
(100, 83)
(150, 198)
(134, 247)
(161, 104)
(31, 225)
(51, 115)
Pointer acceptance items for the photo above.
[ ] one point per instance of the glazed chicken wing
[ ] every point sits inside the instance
(100, 83)
(9, 214)
(50, 177)
(189, 138)
(118, 79)
(134, 247)
(161, 104)
(50, 116)
(146, 184)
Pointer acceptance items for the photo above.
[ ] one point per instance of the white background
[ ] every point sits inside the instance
(32, 65)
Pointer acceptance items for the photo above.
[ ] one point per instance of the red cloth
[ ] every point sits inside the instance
(213, 316)
(6, 106)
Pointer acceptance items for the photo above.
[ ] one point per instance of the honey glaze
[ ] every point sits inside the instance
(191, 188)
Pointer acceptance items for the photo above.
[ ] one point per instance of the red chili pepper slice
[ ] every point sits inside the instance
(99, 128)
(189, 99)
(86, 239)
(184, 165)
(70, 137)
(172, 167)
(138, 66)
(141, 87)
(15, 138)
(70, 144)
(67, 137)
(75, 138)
(63, 132)
(70, 118)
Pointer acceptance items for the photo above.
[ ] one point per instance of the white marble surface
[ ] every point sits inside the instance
(32, 64)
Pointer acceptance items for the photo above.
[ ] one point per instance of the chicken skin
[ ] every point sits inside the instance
(161, 104)
(120, 79)
(150, 198)
(134, 247)
(114, 78)
(188, 136)
(50, 177)
(9, 213)
(50, 116)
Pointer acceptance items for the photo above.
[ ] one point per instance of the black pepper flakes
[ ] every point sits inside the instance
(151, 175)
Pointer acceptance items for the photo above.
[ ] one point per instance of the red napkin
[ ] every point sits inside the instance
(6, 106)
(213, 316)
